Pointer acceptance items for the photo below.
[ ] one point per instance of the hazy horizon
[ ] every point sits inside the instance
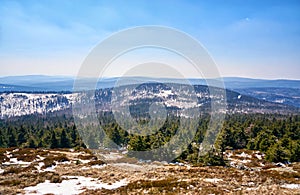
(74, 77)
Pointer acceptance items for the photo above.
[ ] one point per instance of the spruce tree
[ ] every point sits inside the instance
(54, 142)
(12, 142)
(64, 140)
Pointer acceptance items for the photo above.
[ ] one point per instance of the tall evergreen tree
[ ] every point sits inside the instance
(64, 140)
(22, 135)
(31, 143)
(54, 141)
(74, 135)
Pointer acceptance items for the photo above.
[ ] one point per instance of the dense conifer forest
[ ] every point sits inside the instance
(278, 136)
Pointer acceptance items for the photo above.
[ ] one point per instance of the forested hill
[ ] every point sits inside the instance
(280, 90)
(24, 103)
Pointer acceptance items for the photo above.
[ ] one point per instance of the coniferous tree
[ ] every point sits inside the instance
(12, 142)
(3, 142)
(32, 143)
(54, 142)
(74, 135)
(22, 135)
(64, 140)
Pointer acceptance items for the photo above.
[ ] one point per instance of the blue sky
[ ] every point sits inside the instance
(258, 39)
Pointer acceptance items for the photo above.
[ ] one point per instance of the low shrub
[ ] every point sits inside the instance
(96, 162)
(51, 160)
(13, 182)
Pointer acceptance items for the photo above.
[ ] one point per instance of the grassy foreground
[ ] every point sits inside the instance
(246, 173)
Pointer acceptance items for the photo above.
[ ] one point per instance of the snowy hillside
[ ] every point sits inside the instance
(174, 98)
(18, 104)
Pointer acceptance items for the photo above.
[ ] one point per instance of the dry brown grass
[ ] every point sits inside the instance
(87, 157)
(84, 150)
(124, 160)
(150, 178)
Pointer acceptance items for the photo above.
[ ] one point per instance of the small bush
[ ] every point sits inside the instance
(3, 158)
(55, 179)
(212, 159)
(96, 162)
(13, 170)
(17, 170)
(51, 160)
(23, 151)
(13, 182)
(27, 158)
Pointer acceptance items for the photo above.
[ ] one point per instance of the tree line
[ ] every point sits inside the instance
(278, 136)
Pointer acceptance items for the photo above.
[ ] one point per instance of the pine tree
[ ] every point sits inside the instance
(64, 140)
(54, 142)
(277, 153)
(74, 136)
(3, 142)
(22, 135)
(32, 143)
(12, 142)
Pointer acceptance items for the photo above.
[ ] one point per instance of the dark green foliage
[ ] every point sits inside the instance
(22, 138)
(64, 140)
(278, 153)
(212, 158)
(54, 142)
(276, 135)
(12, 142)
(32, 131)
(32, 143)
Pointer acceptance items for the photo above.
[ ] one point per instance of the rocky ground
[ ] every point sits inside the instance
(41, 171)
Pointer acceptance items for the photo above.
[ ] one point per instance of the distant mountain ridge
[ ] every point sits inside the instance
(65, 83)
(175, 97)
(278, 91)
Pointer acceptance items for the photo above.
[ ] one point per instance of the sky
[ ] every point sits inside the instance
(250, 38)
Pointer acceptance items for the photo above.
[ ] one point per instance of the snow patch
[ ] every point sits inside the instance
(73, 185)
(93, 167)
(244, 155)
(212, 180)
(291, 186)
(85, 161)
(39, 166)
(98, 166)
(51, 169)
(258, 156)
(15, 161)
(280, 101)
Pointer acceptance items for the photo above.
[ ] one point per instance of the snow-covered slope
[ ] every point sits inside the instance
(174, 98)
(18, 104)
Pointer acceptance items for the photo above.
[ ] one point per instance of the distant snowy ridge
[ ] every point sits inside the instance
(18, 104)
(174, 98)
